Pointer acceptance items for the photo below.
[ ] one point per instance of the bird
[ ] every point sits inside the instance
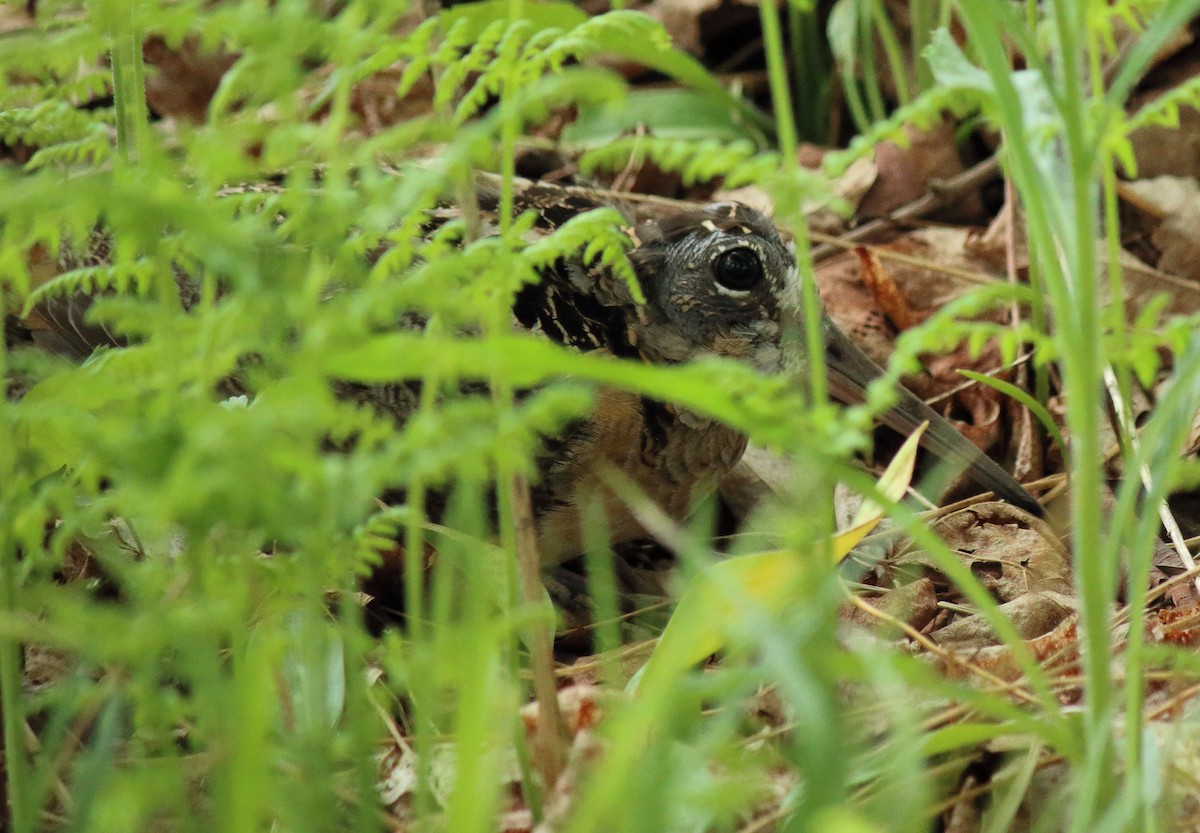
(717, 280)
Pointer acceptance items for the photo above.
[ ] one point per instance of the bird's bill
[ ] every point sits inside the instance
(850, 370)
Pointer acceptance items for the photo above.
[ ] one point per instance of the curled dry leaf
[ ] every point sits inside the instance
(887, 295)
(1027, 569)
(906, 172)
(914, 604)
(1033, 615)
(1025, 446)
(1011, 552)
(1058, 648)
(974, 409)
(934, 269)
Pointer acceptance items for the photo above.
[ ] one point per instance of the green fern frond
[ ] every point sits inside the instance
(695, 161)
(94, 149)
(1104, 19)
(951, 326)
(95, 279)
(49, 54)
(482, 59)
(86, 87)
(594, 236)
(540, 54)
(577, 86)
(404, 245)
(633, 29)
(1152, 334)
(49, 123)
(416, 47)
(1164, 109)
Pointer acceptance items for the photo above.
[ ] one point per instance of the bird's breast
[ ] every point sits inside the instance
(672, 457)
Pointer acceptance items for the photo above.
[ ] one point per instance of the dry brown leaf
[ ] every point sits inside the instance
(15, 17)
(681, 19)
(914, 603)
(1177, 626)
(1159, 200)
(579, 706)
(1174, 201)
(887, 295)
(1159, 149)
(1008, 550)
(693, 23)
(1033, 615)
(1059, 647)
(852, 307)
(906, 173)
(184, 78)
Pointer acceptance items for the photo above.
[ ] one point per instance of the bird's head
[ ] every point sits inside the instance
(717, 282)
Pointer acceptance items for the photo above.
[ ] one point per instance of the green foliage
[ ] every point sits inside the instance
(957, 322)
(217, 486)
(926, 111)
(223, 500)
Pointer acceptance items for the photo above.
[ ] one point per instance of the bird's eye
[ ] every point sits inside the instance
(738, 269)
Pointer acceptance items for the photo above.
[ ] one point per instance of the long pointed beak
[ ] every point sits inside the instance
(851, 370)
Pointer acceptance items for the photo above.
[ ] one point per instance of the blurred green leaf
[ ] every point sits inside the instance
(668, 113)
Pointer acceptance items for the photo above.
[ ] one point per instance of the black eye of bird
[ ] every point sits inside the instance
(738, 269)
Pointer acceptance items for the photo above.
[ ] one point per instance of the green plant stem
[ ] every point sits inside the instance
(923, 22)
(781, 100)
(15, 764)
(870, 75)
(517, 532)
(1158, 452)
(129, 92)
(811, 71)
(16, 770)
(1061, 228)
(1082, 371)
(789, 208)
(891, 50)
(781, 97)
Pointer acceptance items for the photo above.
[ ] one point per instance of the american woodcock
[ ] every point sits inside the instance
(718, 280)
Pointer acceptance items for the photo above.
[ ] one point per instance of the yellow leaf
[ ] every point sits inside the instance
(762, 581)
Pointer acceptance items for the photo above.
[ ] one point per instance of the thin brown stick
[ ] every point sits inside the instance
(940, 194)
(548, 737)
